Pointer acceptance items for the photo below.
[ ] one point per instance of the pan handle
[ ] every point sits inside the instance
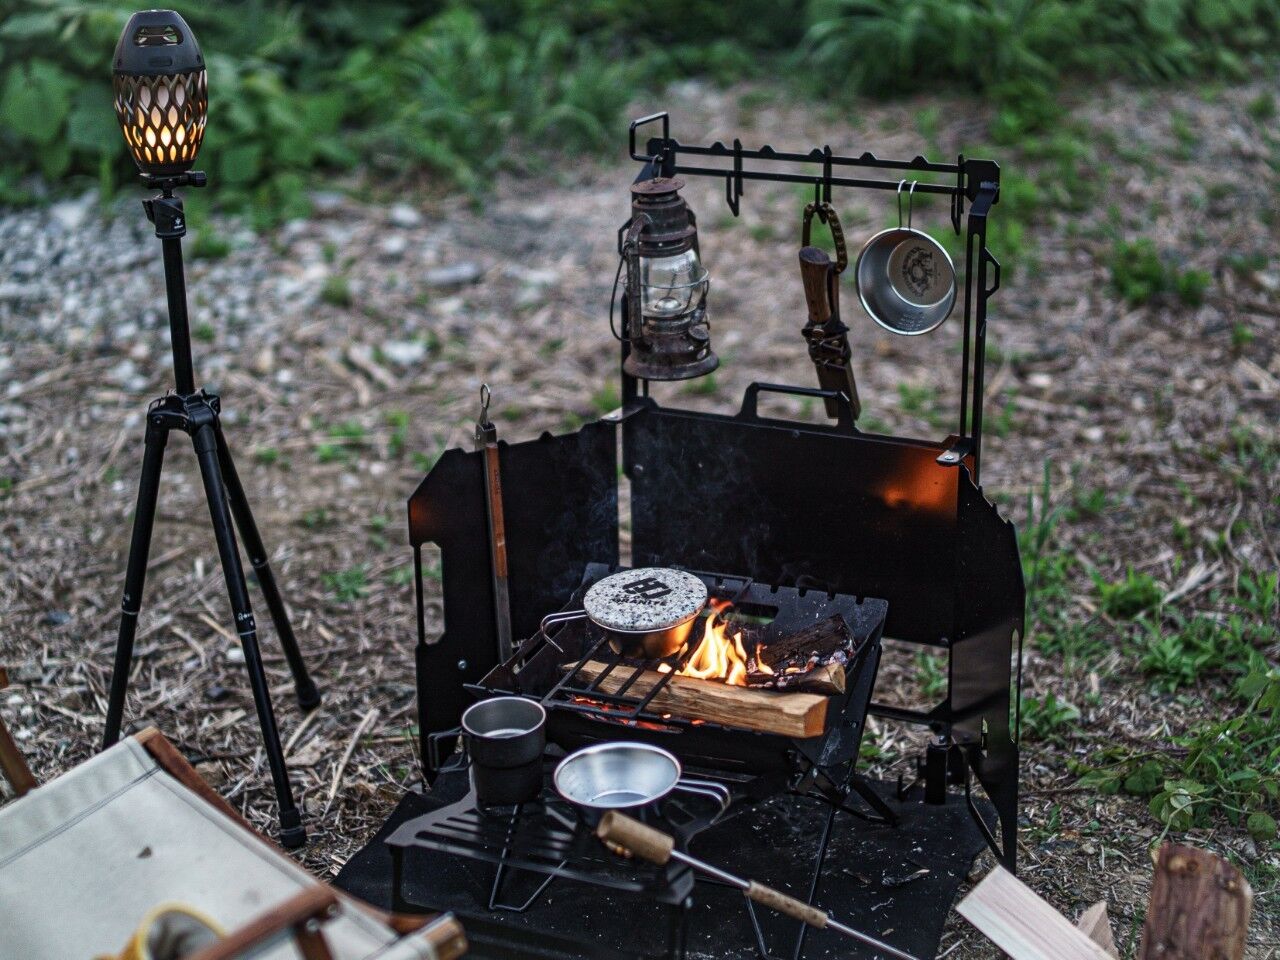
(564, 616)
(552, 619)
(707, 788)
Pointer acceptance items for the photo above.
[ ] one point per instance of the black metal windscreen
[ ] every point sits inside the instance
(561, 504)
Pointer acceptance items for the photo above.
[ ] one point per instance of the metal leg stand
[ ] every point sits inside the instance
(144, 516)
(308, 695)
(292, 832)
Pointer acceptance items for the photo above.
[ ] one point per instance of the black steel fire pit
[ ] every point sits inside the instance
(805, 515)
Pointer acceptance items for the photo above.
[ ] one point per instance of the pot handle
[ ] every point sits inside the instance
(707, 788)
(564, 616)
(434, 760)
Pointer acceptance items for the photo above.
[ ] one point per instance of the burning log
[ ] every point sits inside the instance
(811, 659)
(827, 679)
(796, 715)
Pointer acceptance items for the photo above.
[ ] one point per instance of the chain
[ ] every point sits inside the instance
(827, 214)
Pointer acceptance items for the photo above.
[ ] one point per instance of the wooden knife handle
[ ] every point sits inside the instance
(815, 273)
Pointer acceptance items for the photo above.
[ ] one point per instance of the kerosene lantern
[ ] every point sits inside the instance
(666, 305)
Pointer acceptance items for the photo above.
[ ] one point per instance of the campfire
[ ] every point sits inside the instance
(720, 655)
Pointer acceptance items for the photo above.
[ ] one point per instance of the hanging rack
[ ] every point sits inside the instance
(976, 182)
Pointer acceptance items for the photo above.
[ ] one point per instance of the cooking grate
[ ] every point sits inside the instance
(550, 665)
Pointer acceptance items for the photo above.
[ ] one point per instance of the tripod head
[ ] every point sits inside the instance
(165, 211)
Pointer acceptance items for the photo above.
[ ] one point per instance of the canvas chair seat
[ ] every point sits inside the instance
(83, 858)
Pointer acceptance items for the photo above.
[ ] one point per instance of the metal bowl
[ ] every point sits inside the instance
(906, 281)
(617, 775)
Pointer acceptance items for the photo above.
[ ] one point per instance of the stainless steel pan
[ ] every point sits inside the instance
(647, 612)
(623, 775)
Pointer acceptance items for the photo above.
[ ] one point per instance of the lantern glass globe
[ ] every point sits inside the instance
(672, 286)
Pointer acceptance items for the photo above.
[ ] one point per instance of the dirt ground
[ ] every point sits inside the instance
(349, 349)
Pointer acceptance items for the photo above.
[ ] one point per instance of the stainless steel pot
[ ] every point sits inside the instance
(648, 612)
(905, 279)
(622, 775)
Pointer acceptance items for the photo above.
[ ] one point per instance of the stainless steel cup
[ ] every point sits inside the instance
(505, 738)
(905, 279)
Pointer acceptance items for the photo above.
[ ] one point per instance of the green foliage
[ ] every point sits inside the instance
(348, 585)
(336, 290)
(453, 94)
(1044, 571)
(1139, 273)
(931, 668)
(1020, 49)
(1178, 652)
(1228, 768)
(464, 88)
(1262, 107)
(1126, 599)
(1043, 718)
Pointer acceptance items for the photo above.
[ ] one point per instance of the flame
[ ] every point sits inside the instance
(720, 655)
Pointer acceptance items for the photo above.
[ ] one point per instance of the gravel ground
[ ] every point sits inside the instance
(349, 349)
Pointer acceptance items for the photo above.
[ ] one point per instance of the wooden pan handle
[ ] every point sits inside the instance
(815, 270)
(777, 900)
(446, 937)
(645, 842)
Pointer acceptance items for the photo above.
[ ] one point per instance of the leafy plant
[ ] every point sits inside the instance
(1043, 718)
(1229, 767)
(1126, 599)
(460, 92)
(1139, 274)
(348, 585)
(932, 670)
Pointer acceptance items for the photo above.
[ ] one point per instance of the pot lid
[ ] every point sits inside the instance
(649, 598)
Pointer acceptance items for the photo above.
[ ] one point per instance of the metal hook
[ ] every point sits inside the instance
(826, 173)
(911, 198)
(485, 396)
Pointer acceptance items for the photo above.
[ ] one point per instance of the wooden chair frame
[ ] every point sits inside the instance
(12, 762)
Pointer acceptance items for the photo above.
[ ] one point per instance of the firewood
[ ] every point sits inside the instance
(1025, 927)
(811, 659)
(828, 679)
(819, 641)
(1199, 908)
(765, 711)
(1096, 925)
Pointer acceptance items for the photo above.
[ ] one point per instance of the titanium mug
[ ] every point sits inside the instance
(505, 738)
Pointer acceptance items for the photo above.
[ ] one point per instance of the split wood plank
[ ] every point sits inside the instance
(1199, 908)
(1015, 919)
(1095, 923)
(764, 711)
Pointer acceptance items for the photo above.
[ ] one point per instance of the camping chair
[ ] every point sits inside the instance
(85, 857)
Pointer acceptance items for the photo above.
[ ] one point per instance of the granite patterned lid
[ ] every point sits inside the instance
(650, 598)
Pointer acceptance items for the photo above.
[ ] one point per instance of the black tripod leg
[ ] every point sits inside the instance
(292, 832)
(308, 695)
(144, 516)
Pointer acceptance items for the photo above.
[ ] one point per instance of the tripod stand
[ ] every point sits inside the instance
(196, 413)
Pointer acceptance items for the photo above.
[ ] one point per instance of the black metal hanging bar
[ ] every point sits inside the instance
(977, 181)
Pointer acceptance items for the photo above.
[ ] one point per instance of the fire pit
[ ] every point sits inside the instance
(816, 527)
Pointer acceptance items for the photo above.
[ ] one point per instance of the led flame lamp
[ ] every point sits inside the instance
(667, 285)
(161, 101)
(162, 95)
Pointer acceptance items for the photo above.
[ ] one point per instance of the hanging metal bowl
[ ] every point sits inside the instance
(905, 279)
